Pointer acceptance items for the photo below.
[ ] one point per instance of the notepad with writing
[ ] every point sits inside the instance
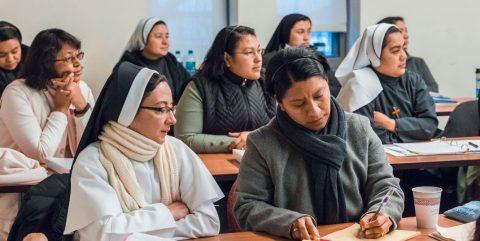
(350, 234)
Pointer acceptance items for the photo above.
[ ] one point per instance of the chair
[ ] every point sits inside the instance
(232, 198)
(464, 121)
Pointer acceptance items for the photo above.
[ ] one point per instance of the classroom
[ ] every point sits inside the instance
(239, 120)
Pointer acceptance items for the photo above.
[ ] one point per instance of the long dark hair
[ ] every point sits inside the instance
(225, 42)
(281, 36)
(9, 31)
(39, 67)
(291, 65)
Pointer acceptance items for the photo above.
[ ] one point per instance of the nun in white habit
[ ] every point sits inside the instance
(376, 84)
(129, 176)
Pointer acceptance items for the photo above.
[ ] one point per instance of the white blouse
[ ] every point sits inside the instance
(28, 125)
(96, 214)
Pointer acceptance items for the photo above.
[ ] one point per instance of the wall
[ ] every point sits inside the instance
(104, 27)
(444, 33)
(260, 15)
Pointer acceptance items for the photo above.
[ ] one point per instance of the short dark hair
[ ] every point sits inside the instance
(226, 41)
(293, 64)
(39, 66)
(391, 30)
(9, 31)
(391, 20)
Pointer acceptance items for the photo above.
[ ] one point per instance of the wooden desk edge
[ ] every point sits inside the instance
(405, 224)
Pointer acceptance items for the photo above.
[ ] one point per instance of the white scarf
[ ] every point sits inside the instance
(139, 37)
(119, 144)
(360, 84)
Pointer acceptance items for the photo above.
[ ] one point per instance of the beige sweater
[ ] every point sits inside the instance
(28, 125)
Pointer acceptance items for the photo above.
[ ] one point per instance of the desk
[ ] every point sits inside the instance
(444, 109)
(421, 162)
(223, 167)
(405, 224)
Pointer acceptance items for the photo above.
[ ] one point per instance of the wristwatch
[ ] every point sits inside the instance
(81, 112)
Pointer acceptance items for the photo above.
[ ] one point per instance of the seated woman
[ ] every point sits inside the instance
(226, 99)
(313, 163)
(414, 64)
(294, 30)
(129, 176)
(44, 113)
(148, 47)
(12, 53)
(375, 84)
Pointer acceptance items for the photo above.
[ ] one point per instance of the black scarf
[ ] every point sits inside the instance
(324, 152)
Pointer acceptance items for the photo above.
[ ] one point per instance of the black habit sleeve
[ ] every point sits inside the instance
(423, 122)
(418, 119)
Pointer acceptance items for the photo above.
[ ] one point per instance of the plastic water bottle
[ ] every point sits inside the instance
(178, 55)
(477, 80)
(190, 63)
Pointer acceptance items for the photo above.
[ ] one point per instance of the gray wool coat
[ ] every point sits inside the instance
(273, 188)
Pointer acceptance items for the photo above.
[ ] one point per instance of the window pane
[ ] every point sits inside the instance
(192, 24)
(327, 43)
(326, 15)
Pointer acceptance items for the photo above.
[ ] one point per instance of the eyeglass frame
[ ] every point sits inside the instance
(259, 51)
(78, 57)
(163, 110)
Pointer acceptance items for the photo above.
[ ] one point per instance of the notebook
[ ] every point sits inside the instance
(462, 232)
(350, 234)
(438, 147)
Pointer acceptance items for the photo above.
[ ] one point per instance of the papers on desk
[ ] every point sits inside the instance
(238, 154)
(462, 232)
(350, 234)
(439, 147)
(59, 165)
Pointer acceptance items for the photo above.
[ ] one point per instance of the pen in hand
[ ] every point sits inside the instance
(384, 201)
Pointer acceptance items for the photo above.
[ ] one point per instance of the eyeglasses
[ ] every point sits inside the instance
(251, 53)
(69, 59)
(162, 110)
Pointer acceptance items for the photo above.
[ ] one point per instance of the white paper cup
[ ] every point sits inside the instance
(427, 205)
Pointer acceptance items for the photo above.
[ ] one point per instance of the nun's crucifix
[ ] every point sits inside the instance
(396, 112)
